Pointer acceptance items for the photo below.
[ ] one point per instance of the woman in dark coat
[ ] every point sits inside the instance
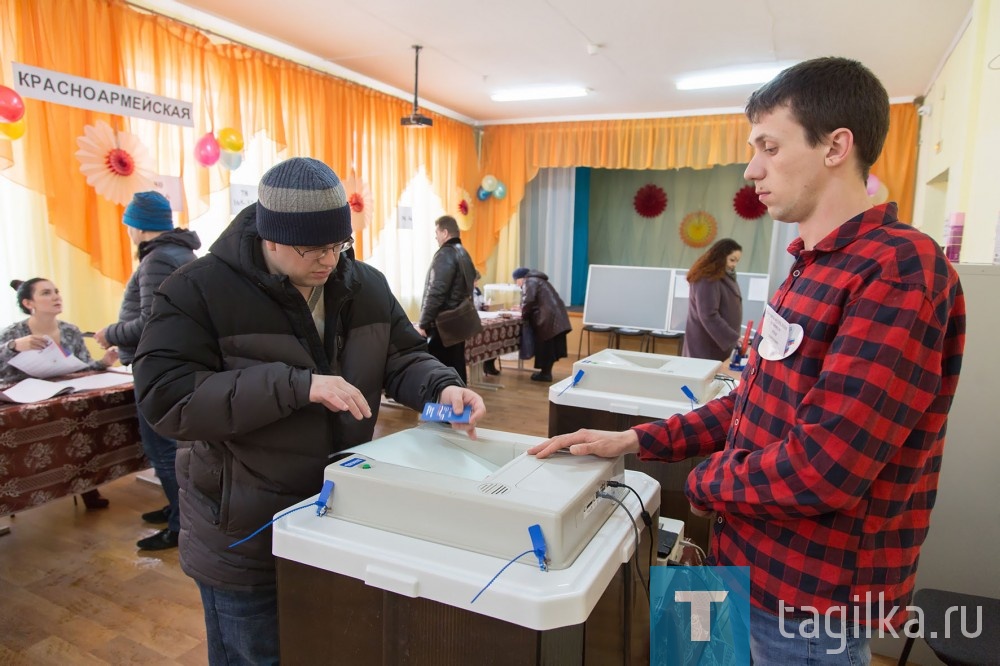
(715, 305)
(544, 313)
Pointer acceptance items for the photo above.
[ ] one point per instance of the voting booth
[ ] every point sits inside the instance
(620, 389)
(664, 301)
(421, 521)
(501, 296)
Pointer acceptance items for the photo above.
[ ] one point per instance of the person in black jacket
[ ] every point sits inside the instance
(544, 318)
(264, 358)
(450, 281)
(162, 250)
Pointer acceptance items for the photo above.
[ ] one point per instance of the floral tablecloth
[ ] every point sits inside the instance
(499, 336)
(67, 445)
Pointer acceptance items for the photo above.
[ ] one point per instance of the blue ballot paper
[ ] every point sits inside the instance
(435, 411)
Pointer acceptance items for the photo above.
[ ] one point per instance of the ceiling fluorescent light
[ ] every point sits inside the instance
(731, 76)
(539, 92)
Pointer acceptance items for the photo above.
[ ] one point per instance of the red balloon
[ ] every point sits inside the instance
(11, 105)
(207, 151)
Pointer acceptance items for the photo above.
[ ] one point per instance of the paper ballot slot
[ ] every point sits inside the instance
(436, 484)
(648, 375)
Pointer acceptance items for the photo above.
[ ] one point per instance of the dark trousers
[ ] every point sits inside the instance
(241, 627)
(453, 357)
(162, 453)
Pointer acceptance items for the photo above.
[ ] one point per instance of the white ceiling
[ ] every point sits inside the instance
(475, 47)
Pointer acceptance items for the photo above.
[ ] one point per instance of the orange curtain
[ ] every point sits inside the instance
(348, 126)
(897, 165)
(514, 153)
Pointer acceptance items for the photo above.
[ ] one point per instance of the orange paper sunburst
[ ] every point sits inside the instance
(115, 163)
(698, 229)
(360, 199)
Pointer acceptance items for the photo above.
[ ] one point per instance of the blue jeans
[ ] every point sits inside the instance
(242, 626)
(162, 453)
(774, 640)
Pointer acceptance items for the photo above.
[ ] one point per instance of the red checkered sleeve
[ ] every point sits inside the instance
(697, 433)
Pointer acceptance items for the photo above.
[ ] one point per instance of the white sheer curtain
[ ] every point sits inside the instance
(32, 249)
(20, 257)
(546, 229)
(404, 254)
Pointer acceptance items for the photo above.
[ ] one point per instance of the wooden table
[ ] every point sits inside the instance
(67, 445)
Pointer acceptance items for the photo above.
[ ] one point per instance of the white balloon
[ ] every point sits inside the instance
(231, 159)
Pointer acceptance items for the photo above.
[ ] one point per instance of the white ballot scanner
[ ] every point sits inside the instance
(649, 375)
(435, 484)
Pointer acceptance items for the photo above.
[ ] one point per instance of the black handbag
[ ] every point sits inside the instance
(459, 324)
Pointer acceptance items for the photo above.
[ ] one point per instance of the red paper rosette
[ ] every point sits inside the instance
(463, 207)
(747, 204)
(650, 200)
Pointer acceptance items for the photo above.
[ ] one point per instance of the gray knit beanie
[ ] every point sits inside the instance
(302, 202)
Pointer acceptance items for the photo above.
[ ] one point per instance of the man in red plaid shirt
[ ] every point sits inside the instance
(823, 464)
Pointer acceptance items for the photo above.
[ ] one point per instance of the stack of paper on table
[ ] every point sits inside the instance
(48, 362)
(35, 390)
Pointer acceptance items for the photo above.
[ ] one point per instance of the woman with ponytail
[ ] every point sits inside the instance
(40, 300)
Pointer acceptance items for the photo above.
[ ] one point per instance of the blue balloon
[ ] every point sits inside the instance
(500, 191)
(482, 194)
(231, 159)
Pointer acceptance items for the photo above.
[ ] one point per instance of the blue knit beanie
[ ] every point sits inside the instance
(302, 202)
(149, 211)
(520, 273)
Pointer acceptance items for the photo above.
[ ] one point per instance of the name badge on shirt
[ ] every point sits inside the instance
(778, 338)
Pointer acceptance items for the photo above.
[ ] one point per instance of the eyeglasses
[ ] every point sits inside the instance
(320, 252)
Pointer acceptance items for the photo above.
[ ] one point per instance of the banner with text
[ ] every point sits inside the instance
(59, 88)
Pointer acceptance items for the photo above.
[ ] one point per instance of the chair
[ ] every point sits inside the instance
(661, 334)
(626, 332)
(944, 632)
(594, 328)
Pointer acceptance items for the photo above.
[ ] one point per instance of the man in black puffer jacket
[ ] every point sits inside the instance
(265, 358)
(162, 250)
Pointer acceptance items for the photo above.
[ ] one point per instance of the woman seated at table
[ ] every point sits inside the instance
(40, 300)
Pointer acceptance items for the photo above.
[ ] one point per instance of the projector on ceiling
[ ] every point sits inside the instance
(416, 120)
